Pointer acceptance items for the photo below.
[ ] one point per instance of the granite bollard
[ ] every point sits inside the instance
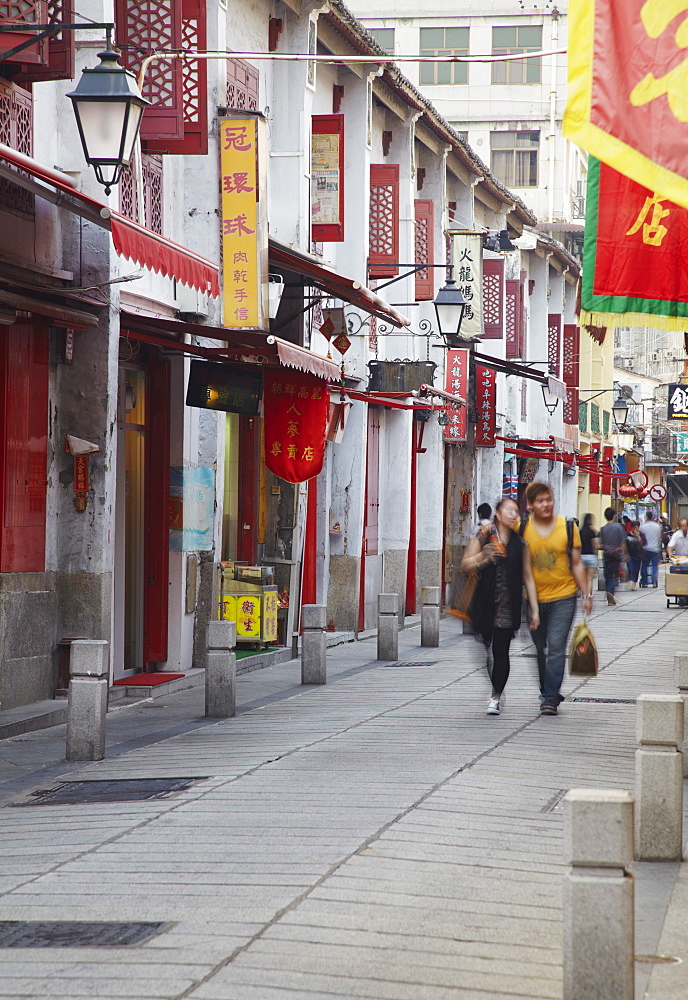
(313, 645)
(681, 675)
(87, 699)
(387, 626)
(659, 778)
(430, 616)
(220, 670)
(599, 933)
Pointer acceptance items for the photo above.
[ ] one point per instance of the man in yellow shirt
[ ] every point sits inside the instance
(559, 573)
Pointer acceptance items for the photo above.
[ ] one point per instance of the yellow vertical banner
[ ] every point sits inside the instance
(240, 224)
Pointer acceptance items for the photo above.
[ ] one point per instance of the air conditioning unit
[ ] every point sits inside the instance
(191, 304)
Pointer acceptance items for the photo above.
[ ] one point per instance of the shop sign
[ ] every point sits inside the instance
(296, 409)
(678, 402)
(240, 229)
(468, 275)
(456, 383)
(486, 405)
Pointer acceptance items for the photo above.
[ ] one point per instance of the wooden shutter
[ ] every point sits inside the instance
(554, 343)
(512, 318)
(194, 141)
(24, 448)
(570, 372)
(372, 501)
(143, 28)
(327, 226)
(424, 242)
(30, 13)
(16, 131)
(383, 250)
(59, 64)
(607, 480)
(593, 478)
(243, 82)
(493, 298)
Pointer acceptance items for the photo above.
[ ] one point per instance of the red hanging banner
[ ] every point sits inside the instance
(296, 407)
(456, 382)
(486, 405)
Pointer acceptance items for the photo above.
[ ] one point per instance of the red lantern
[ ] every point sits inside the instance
(627, 490)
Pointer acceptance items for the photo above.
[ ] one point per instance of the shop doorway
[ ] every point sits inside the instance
(141, 517)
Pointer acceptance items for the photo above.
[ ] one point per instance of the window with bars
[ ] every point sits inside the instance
(384, 37)
(151, 169)
(583, 417)
(443, 42)
(605, 422)
(514, 157)
(594, 418)
(512, 40)
(16, 131)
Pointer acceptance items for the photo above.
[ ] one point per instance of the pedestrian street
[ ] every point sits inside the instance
(378, 837)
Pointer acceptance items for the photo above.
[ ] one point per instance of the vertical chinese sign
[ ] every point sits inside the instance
(468, 275)
(243, 234)
(296, 406)
(486, 405)
(456, 383)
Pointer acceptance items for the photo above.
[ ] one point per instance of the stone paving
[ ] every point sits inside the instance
(379, 837)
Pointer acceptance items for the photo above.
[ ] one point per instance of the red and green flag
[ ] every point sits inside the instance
(635, 269)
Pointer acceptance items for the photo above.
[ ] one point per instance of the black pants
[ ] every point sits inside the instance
(501, 640)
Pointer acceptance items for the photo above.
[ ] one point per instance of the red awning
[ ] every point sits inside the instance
(130, 240)
(246, 345)
(320, 276)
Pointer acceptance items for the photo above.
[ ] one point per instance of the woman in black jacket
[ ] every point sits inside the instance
(501, 559)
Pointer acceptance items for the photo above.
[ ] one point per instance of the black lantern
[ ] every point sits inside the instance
(620, 411)
(108, 107)
(450, 306)
(551, 400)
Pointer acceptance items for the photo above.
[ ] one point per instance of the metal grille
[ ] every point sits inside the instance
(74, 934)
(554, 343)
(123, 790)
(413, 663)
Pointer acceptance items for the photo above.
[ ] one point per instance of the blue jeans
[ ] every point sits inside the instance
(650, 569)
(611, 578)
(634, 569)
(550, 638)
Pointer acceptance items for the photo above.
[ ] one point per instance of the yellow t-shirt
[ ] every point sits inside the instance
(551, 564)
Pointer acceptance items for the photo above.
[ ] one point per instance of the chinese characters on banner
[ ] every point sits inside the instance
(634, 254)
(456, 382)
(486, 405)
(677, 404)
(631, 112)
(240, 238)
(296, 407)
(468, 275)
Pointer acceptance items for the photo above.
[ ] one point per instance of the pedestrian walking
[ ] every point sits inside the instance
(558, 571)
(678, 543)
(589, 545)
(634, 544)
(651, 534)
(502, 561)
(613, 541)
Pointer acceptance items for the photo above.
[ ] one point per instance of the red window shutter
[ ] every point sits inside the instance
(383, 252)
(570, 371)
(607, 480)
(242, 86)
(16, 131)
(143, 28)
(372, 505)
(554, 343)
(24, 449)
(331, 231)
(424, 248)
(512, 318)
(194, 87)
(30, 13)
(594, 479)
(522, 341)
(493, 298)
(59, 64)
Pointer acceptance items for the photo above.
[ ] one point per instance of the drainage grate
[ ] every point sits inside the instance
(413, 663)
(74, 934)
(607, 701)
(73, 793)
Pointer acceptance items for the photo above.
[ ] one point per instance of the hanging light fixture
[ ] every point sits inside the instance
(620, 411)
(551, 401)
(108, 107)
(450, 306)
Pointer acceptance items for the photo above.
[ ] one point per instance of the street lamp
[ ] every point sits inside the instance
(551, 400)
(108, 107)
(620, 411)
(450, 306)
